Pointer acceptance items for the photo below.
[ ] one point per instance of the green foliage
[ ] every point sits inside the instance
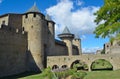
(80, 65)
(48, 74)
(79, 75)
(64, 74)
(101, 64)
(110, 14)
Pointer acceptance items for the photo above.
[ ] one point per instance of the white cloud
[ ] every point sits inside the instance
(81, 20)
(91, 50)
(79, 2)
(1, 1)
(83, 37)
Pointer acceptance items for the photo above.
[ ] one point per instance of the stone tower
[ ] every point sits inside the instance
(34, 23)
(51, 34)
(67, 37)
(77, 42)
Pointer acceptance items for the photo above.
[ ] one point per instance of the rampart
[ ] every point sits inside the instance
(13, 47)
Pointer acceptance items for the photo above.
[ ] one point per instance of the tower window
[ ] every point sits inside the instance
(26, 16)
(3, 22)
(34, 14)
(31, 26)
(23, 28)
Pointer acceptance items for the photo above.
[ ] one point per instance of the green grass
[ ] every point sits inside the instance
(32, 77)
(103, 75)
(90, 75)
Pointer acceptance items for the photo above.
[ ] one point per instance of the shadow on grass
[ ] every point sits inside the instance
(20, 75)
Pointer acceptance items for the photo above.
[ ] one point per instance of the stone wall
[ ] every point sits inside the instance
(75, 50)
(115, 49)
(13, 47)
(60, 50)
(4, 20)
(15, 21)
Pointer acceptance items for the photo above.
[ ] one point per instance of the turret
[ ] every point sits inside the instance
(67, 37)
(50, 24)
(77, 42)
(34, 23)
(51, 34)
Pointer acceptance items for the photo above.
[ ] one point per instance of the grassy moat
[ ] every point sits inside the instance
(87, 75)
(102, 70)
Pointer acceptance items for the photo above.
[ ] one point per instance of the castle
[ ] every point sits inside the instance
(27, 39)
(27, 43)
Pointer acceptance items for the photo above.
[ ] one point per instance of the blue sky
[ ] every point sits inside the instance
(77, 15)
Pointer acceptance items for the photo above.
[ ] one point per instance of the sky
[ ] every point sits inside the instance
(77, 15)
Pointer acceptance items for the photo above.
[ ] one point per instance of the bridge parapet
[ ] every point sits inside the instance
(87, 58)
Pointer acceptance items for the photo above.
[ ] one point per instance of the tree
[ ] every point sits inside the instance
(108, 19)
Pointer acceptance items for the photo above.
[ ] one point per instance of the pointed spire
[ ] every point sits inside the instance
(66, 31)
(34, 3)
(34, 8)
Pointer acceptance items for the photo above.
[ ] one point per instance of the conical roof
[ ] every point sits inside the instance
(77, 36)
(34, 8)
(66, 34)
(47, 17)
(66, 31)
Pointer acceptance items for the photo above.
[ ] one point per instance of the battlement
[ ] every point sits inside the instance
(33, 15)
(9, 29)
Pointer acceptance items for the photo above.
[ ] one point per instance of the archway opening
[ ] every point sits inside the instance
(101, 64)
(55, 67)
(79, 65)
(64, 66)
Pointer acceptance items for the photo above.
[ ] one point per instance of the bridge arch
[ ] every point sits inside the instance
(64, 66)
(101, 64)
(55, 67)
(79, 64)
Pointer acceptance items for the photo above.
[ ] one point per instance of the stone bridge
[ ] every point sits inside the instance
(114, 59)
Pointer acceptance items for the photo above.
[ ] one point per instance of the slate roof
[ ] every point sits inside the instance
(77, 36)
(34, 8)
(66, 31)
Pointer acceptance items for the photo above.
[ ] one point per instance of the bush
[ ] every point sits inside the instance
(48, 74)
(79, 75)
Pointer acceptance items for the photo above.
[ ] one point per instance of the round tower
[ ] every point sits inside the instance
(34, 23)
(50, 24)
(51, 34)
(77, 42)
(67, 37)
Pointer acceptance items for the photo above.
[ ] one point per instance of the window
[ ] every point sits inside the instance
(31, 26)
(26, 16)
(3, 22)
(23, 28)
(34, 14)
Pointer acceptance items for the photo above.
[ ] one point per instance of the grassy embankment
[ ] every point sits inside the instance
(90, 75)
